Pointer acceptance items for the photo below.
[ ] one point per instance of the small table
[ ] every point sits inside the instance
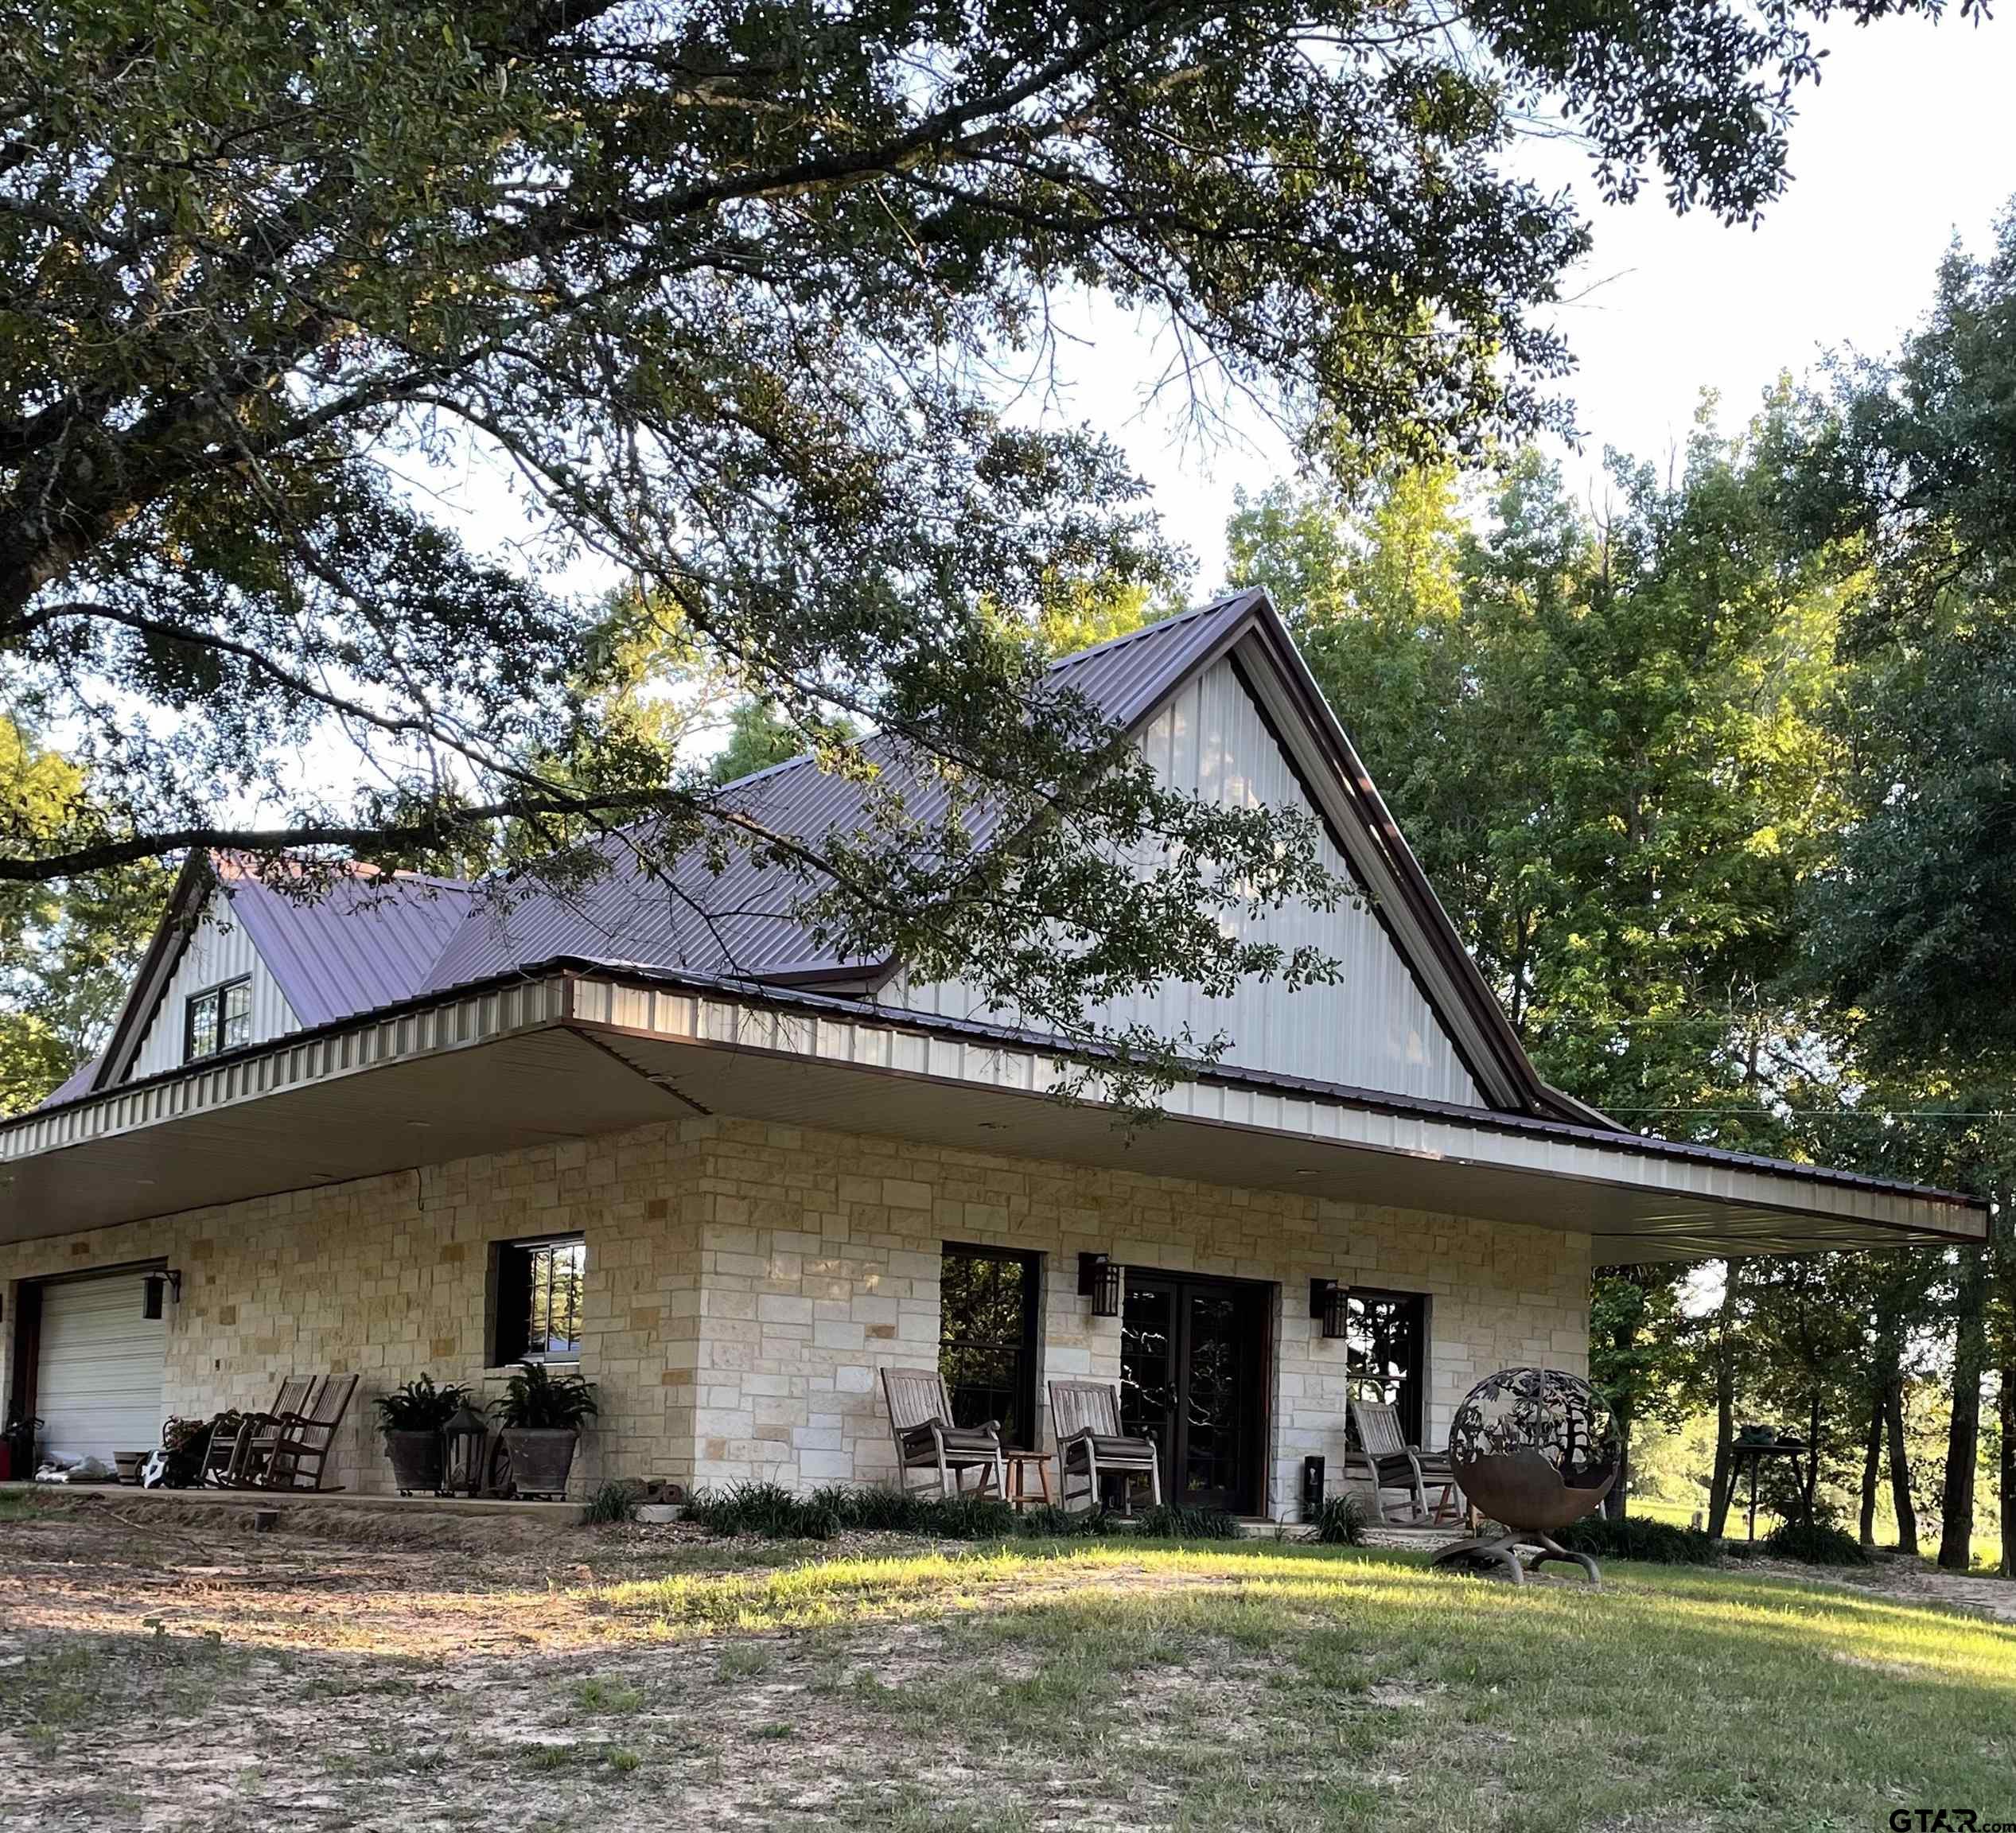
(1756, 1450)
(1017, 1465)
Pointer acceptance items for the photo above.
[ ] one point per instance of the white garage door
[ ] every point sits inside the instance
(99, 1377)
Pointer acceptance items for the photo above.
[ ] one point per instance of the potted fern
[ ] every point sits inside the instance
(541, 1415)
(412, 1417)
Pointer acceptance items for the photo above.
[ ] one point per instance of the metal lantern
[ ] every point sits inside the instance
(465, 1441)
(1099, 1279)
(1535, 1449)
(1330, 1301)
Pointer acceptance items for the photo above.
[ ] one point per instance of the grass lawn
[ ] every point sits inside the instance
(1046, 1685)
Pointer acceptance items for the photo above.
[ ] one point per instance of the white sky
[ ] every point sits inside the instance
(1910, 138)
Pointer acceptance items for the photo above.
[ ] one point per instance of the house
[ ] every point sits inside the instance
(396, 1127)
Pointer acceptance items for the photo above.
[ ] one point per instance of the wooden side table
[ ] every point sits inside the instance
(1017, 1465)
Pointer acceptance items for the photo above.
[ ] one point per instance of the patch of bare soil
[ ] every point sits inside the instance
(1912, 1581)
(166, 1669)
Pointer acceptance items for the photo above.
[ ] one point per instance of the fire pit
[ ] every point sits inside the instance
(1534, 1449)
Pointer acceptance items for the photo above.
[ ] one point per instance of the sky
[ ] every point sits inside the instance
(1908, 139)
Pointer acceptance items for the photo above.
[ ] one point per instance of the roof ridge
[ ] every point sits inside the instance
(1160, 626)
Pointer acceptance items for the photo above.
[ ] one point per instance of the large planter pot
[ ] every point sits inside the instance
(416, 1461)
(541, 1457)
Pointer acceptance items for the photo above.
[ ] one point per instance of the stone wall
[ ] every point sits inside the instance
(745, 1280)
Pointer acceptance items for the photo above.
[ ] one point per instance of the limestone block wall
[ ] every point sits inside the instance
(820, 1260)
(745, 1283)
(387, 1276)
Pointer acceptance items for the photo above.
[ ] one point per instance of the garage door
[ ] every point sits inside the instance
(97, 1377)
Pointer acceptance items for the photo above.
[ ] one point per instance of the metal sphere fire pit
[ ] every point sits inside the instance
(1534, 1449)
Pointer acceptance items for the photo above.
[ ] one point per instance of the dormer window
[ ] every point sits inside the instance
(219, 1019)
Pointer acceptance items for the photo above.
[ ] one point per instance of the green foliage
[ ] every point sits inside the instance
(740, 334)
(616, 1500)
(1658, 1542)
(758, 736)
(1815, 1543)
(420, 1406)
(775, 1512)
(535, 1397)
(1340, 1522)
(68, 950)
(1178, 1521)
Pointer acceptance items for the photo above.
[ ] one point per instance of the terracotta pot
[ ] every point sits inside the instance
(541, 1457)
(416, 1461)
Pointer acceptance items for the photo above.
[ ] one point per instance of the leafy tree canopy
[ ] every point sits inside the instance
(726, 287)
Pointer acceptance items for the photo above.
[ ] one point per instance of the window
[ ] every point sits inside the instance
(536, 1300)
(986, 1338)
(220, 1019)
(1386, 1348)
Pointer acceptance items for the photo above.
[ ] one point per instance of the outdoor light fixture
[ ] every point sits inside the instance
(1099, 1279)
(1330, 1300)
(152, 1287)
(463, 1442)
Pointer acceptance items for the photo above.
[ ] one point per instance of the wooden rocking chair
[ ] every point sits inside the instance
(1092, 1445)
(1395, 1463)
(236, 1456)
(927, 1442)
(301, 1450)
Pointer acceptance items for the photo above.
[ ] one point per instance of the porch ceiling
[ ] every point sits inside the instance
(620, 1058)
(518, 1091)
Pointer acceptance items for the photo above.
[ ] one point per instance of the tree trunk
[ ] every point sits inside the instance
(1809, 1496)
(1719, 1485)
(1615, 1502)
(2006, 1413)
(1872, 1466)
(1969, 1353)
(1901, 1500)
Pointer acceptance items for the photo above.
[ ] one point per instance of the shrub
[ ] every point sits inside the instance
(766, 1508)
(614, 1501)
(1815, 1543)
(966, 1518)
(1657, 1542)
(1172, 1521)
(1340, 1522)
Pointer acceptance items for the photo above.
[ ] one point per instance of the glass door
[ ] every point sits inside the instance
(1193, 1378)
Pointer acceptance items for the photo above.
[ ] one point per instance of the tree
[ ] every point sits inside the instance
(758, 736)
(725, 287)
(1607, 743)
(1910, 933)
(1637, 1353)
(67, 951)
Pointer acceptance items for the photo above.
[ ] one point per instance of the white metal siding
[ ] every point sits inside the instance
(98, 1380)
(1371, 1028)
(220, 950)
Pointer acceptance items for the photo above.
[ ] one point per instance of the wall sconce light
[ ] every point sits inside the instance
(1330, 1300)
(152, 1288)
(1099, 1279)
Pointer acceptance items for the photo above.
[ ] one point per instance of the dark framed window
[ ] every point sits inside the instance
(217, 1019)
(1386, 1347)
(988, 1307)
(535, 1302)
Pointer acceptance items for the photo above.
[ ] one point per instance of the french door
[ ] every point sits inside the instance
(1194, 1360)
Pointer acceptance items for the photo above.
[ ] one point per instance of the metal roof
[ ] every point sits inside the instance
(738, 919)
(368, 941)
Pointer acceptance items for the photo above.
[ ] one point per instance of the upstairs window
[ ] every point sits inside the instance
(986, 1338)
(536, 1307)
(218, 1020)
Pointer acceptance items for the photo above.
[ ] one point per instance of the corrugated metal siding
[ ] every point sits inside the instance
(221, 949)
(1371, 1028)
